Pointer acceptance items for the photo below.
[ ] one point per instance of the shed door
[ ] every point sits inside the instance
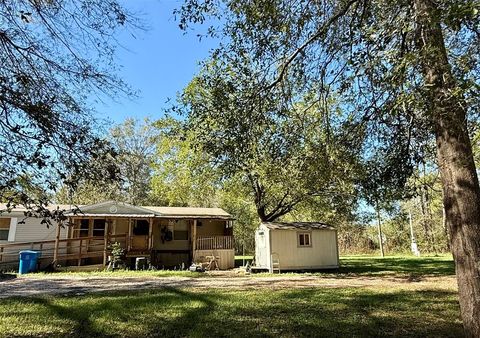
(261, 248)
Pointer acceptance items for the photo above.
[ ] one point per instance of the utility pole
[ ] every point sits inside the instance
(413, 246)
(380, 236)
(243, 252)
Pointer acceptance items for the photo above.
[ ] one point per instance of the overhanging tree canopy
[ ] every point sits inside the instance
(54, 56)
(286, 154)
(405, 72)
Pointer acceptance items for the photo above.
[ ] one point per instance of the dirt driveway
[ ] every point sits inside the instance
(30, 286)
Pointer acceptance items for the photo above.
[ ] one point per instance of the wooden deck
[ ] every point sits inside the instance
(76, 251)
(71, 249)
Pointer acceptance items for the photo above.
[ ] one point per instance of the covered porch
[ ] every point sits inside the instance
(170, 238)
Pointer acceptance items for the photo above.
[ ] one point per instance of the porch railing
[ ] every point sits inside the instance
(214, 242)
(67, 249)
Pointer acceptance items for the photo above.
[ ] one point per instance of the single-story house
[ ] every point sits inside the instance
(168, 236)
(296, 246)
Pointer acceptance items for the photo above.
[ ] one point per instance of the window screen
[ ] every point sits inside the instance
(141, 227)
(180, 235)
(304, 239)
(4, 228)
(83, 230)
(99, 227)
(180, 231)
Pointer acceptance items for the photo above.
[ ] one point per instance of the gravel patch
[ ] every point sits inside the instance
(32, 287)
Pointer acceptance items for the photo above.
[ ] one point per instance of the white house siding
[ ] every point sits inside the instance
(322, 253)
(33, 231)
(12, 232)
(29, 230)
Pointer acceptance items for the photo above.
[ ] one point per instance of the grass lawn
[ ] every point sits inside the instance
(441, 265)
(404, 309)
(350, 266)
(389, 266)
(264, 313)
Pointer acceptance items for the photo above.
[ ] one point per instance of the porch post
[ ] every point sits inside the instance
(80, 252)
(150, 232)
(90, 232)
(57, 242)
(105, 242)
(129, 235)
(194, 239)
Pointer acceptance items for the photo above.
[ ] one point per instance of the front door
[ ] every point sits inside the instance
(140, 231)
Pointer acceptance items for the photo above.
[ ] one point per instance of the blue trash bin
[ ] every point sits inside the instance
(28, 261)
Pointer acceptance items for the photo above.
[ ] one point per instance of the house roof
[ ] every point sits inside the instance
(51, 207)
(121, 209)
(298, 226)
(187, 211)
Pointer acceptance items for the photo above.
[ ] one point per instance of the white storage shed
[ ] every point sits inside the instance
(296, 246)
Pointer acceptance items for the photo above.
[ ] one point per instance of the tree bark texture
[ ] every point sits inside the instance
(455, 158)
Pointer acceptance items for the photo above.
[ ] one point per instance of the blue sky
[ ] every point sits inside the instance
(158, 62)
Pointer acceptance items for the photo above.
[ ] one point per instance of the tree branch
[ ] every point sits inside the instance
(321, 32)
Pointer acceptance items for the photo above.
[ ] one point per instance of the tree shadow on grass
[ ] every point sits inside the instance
(299, 312)
(129, 313)
(7, 276)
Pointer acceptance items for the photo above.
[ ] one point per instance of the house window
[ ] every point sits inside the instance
(304, 239)
(141, 227)
(83, 229)
(180, 235)
(180, 231)
(98, 227)
(4, 228)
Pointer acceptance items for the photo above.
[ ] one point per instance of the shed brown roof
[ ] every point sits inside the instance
(298, 226)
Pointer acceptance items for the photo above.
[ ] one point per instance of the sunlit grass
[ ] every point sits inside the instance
(399, 309)
(374, 266)
(350, 266)
(258, 313)
(398, 265)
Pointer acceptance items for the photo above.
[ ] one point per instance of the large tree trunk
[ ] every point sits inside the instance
(454, 152)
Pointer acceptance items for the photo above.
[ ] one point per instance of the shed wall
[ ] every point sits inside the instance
(323, 253)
